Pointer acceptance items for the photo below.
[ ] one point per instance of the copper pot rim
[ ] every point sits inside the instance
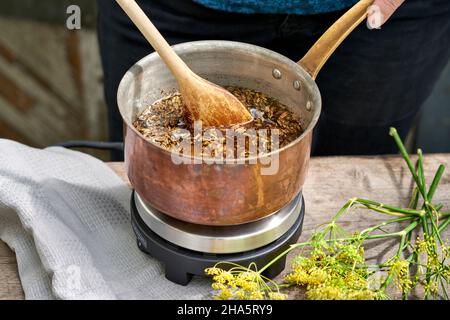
(129, 75)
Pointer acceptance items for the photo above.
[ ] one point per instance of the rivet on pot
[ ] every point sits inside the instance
(276, 74)
(309, 106)
(297, 85)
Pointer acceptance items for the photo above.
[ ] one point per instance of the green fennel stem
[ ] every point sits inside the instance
(393, 132)
(435, 183)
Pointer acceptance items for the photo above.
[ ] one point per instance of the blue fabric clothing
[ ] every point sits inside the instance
(277, 6)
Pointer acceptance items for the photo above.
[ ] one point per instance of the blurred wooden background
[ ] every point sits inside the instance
(50, 77)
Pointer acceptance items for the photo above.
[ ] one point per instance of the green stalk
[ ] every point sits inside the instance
(393, 132)
(425, 225)
(285, 252)
(444, 225)
(426, 204)
(403, 235)
(385, 223)
(435, 230)
(388, 212)
(366, 202)
(379, 236)
(410, 228)
(414, 199)
(426, 232)
(401, 245)
(444, 288)
(421, 175)
(435, 183)
(387, 282)
(345, 208)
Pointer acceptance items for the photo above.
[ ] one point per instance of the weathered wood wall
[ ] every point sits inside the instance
(50, 77)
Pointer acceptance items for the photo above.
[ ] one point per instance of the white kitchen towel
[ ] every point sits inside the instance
(66, 216)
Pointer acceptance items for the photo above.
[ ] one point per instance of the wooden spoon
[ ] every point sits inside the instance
(205, 101)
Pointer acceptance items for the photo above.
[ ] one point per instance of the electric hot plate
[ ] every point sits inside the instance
(187, 249)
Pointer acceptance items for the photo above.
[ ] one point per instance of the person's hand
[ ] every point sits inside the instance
(381, 11)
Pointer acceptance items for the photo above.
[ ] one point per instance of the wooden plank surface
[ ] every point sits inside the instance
(10, 287)
(331, 182)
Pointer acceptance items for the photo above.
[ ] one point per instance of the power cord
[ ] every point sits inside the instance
(100, 145)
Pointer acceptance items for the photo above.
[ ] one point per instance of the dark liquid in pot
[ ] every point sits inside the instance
(164, 124)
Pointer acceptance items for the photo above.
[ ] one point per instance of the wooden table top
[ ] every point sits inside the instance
(330, 183)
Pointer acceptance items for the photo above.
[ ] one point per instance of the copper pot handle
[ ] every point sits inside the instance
(322, 50)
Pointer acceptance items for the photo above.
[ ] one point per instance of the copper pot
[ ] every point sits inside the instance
(228, 194)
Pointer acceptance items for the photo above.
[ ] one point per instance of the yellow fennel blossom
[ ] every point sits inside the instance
(242, 283)
(363, 295)
(421, 246)
(218, 286)
(256, 295)
(431, 288)
(445, 251)
(246, 285)
(334, 271)
(213, 271)
(400, 267)
(324, 293)
(313, 276)
(225, 294)
(277, 296)
(223, 277)
(248, 275)
(317, 276)
(330, 292)
(446, 273)
(400, 270)
(240, 295)
(426, 246)
(354, 280)
(350, 253)
(299, 277)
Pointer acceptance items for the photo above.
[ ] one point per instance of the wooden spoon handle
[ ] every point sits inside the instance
(140, 19)
(322, 50)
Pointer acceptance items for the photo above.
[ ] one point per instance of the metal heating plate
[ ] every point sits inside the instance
(222, 239)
